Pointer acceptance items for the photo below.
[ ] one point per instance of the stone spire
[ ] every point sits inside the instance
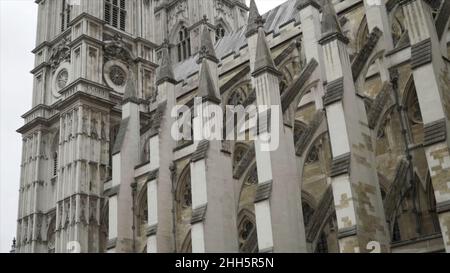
(330, 24)
(206, 87)
(252, 26)
(206, 45)
(301, 4)
(130, 94)
(263, 60)
(165, 71)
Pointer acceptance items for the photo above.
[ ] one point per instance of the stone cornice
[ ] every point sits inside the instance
(56, 40)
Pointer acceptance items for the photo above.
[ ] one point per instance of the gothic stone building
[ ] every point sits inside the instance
(363, 163)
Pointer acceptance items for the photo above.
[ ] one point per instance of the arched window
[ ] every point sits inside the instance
(184, 193)
(145, 156)
(55, 164)
(220, 32)
(184, 44)
(104, 225)
(54, 156)
(237, 98)
(142, 212)
(115, 13)
(184, 211)
(65, 15)
(51, 235)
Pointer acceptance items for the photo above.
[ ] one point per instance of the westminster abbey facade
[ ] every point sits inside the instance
(363, 162)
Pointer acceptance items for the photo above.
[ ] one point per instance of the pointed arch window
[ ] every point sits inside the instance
(55, 164)
(65, 15)
(142, 214)
(51, 235)
(184, 44)
(186, 195)
(237, 98)
(116, 13)
(54, 161)
(220, 32)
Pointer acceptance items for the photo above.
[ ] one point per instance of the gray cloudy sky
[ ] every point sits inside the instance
(17, 39)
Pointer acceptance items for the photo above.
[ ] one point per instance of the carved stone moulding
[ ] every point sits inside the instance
(60, 53)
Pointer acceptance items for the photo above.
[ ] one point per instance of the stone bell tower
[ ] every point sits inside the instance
(87, 52)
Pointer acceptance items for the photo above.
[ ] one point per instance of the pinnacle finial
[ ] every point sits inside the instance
(330, 24)
(207, 47)
(260, 21)
(252, 25)
(205, 19)
(165, 72)
(263, 59)
(206, 87)
(130, 91)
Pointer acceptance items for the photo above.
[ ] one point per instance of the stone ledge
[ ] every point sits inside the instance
(112, 191)
(151, 230)
(199, 214)
(341, 165)
(335, 92)
(202, 150)
(347, 232)
(112, 243)
(443, 207)
(435, 132)
(264, 191)
(421, 54)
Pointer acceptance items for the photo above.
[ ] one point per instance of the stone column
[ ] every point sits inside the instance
(159, 188)
(356, 190)
(310, 19)
(432, 78)
(125, 158)
(214, 227)
(278, 206)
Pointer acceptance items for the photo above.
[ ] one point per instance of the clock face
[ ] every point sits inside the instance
(117, 75)
(62, 79)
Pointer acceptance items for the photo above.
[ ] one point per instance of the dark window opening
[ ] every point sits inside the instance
(65, 15)
(115, 13)
(184, 44)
